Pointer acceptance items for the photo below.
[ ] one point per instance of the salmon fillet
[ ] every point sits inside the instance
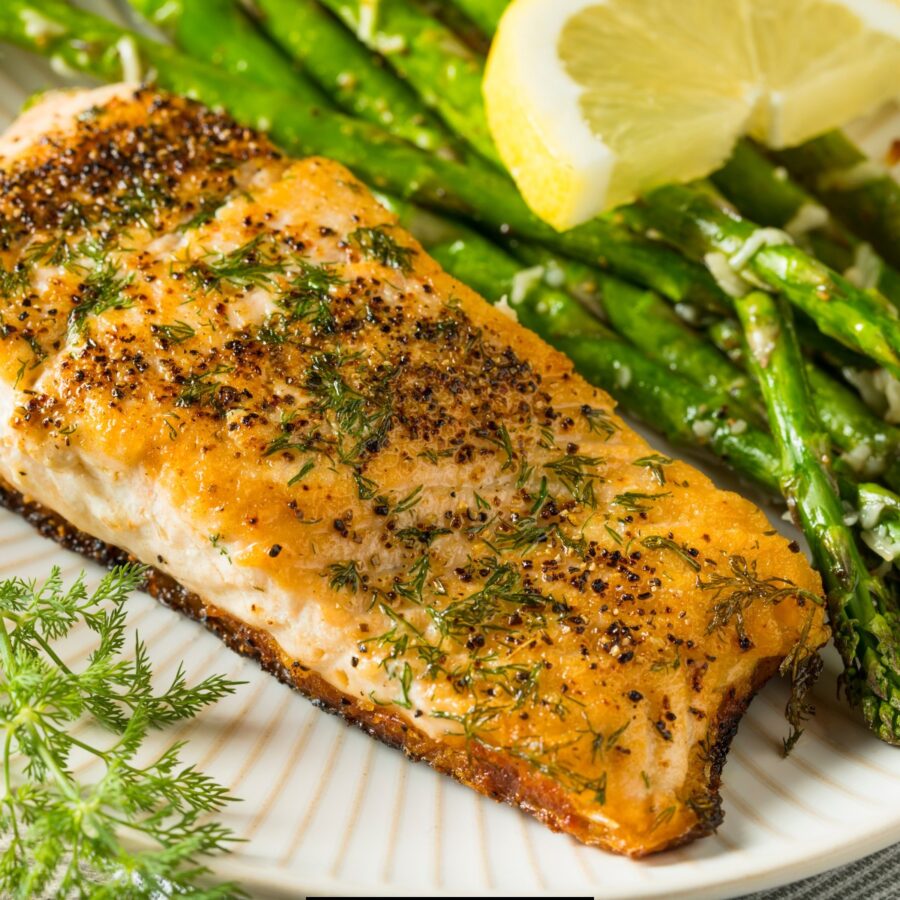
(237, 369)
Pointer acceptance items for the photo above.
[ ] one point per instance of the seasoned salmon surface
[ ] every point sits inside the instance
(240, 370)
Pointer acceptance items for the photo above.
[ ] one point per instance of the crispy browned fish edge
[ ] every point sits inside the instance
(490, 773)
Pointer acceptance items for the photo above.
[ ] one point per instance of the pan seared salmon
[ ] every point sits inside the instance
(238, 369)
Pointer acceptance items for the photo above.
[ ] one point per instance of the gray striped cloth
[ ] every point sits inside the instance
(875, 877)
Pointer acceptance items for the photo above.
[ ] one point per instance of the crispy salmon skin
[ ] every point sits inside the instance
(238, 368)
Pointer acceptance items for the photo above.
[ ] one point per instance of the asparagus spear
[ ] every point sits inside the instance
(484, 13)
(690, 219)
(648, 322)
(91, 44)
(355, 79)
(869, 201)
(218, 32)
(858, 602)
(862, 194)
(766, 195)
(871, 447)
(862, 321)
(459, 22)
(446, 73)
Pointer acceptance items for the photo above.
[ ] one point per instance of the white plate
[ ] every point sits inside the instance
(326, 810)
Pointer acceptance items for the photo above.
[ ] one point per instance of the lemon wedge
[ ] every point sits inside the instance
(593, 102)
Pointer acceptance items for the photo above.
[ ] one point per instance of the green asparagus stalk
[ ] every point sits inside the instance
(861, 193)
(858, 602)
(868, 201)
(648, 322)
(768, 196)
(91, 44)
(862, 321)
(692, 220)
(870, 446)
(218, 32)
(355, 78)
(486, 14)
(446, 73)
(460, 23)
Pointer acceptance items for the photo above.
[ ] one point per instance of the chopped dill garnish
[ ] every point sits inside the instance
(366, 488)
(480, 502)
(602, 744)
(251, 265)
(14, 281)
(345, 576)
(377, 244)
(307, 296)
(548, 439)
(427, 535)
(541, 497)
(663, 818)
(362, 420)
(176, 333)
(55, 251)
(546, 760)
(657, 542)
(501, 592)
(599, 421)
(305, 469)
(140, 202)
(102, 289)
(734, 594)
(205, 211)
(802, 666)
(289, 440)
(634, 501)
(524, 474)
(200, 390)
(524, 535)
(216, 541)
(273, 331)
(502, 440)
(575, 474)
(413, 587)
(655, 463)
(434, 456)
(412, 499)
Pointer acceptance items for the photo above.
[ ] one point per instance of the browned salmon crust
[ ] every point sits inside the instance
(493, 774)
(239, 369)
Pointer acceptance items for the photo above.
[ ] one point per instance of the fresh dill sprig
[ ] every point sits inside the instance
(345, 576)
(599, 421)
(411, 500)
(199, 389)
(205, 211)
(102, 289)
(377, 244)
(635, 501)
(503, 440)
(251, 265)
(657, 542)
(734, 594)
(14, 281)
(77, 838)
(577, 475)
(176, 333)
(656, 463)
(307, 296)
